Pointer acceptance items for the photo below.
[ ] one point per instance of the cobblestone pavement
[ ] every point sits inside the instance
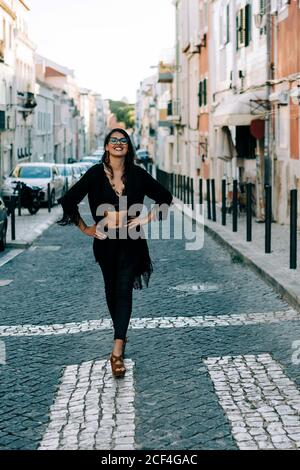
(209, 355)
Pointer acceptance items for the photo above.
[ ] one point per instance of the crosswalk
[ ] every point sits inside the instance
(93, 410)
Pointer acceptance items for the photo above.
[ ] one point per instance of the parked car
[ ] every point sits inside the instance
(77, 172)
(99, 152)
(91, 159)
(84, 166)
(36, 174)
(65, 170)
(3, 225)
(143, 156)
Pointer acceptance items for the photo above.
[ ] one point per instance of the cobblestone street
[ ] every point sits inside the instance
(209, 356)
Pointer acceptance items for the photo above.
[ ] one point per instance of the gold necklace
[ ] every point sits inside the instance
(119, 193)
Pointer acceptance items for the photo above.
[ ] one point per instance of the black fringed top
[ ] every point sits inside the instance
(95, 184)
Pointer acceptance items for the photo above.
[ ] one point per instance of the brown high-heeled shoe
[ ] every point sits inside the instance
(117, 365)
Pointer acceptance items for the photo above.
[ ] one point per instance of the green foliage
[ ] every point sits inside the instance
(124, 112)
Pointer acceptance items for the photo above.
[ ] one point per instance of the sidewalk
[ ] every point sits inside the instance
(29, 227)
(273, 267)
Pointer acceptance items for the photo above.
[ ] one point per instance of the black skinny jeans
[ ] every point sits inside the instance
(118, 275)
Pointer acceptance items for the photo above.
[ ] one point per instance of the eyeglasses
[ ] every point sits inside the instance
(114, 140)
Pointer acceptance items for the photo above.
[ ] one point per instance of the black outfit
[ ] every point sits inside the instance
(124, 262)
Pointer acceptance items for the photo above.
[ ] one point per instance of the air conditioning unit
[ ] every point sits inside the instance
(260, 20)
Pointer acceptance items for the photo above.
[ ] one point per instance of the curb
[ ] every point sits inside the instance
(288, 294)
(38, 231)
(19, 244)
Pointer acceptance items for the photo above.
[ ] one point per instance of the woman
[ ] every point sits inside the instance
(124, 261)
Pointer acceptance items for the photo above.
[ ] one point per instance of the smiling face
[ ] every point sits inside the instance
(117, 145)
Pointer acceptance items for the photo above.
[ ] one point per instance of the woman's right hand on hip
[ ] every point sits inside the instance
(92, 232)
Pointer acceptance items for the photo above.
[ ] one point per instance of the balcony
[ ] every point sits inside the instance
(165, 73)
(163, 118)
(173, 111)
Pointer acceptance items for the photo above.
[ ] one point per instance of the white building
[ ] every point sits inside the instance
(238, 94)
(25, 84)
(7, 89)
(66, 119)
(146, 115)
(43, 138)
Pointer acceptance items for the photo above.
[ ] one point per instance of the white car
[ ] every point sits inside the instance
(36, 174)
(99, 152)
(90, 159)
(65, 170)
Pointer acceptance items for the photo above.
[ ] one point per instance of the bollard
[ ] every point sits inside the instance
(200, 192)
(268, 218)
(293, 230)
(249, 212)
(234, 206)
(223, 202)
(49, 197)
(13, 217)
(180, 188)
(213, 199)
(192, 193)
(208, 199)
(19, 201)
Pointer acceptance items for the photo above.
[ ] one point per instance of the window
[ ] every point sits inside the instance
(243, 26)
(2, 121)
(224, 24)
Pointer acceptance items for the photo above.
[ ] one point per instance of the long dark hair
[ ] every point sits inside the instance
(129, 158)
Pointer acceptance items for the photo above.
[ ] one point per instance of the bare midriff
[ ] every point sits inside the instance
(116, 219)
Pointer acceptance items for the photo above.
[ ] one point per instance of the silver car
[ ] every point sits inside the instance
(36, 174)
(65, 170)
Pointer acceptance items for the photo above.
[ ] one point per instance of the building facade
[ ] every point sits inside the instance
(285, 101)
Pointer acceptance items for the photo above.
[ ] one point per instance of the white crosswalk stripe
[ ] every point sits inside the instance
(260, 401)
(92, 410)
(206, 321)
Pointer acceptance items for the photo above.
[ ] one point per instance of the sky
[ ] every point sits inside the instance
(110, 44)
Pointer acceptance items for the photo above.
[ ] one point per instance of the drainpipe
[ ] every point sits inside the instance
(234, 76)
(267, 146)
(177, 65)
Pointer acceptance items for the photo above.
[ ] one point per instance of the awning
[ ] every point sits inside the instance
(239, 110)
(224, 148)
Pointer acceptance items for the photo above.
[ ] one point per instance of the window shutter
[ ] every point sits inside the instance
(2, 121)
(242, 26)
(227, 24)
(237, 31)
(204, 92)
(200, 94)
(248, 18)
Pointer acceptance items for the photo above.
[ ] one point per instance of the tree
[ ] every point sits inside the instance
(124, 112)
